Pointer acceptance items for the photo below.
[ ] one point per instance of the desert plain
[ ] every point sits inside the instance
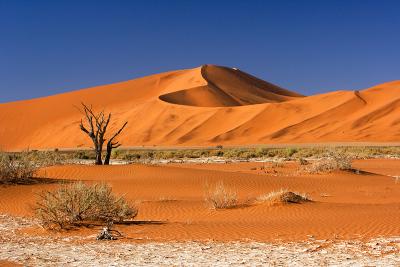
(348, 215)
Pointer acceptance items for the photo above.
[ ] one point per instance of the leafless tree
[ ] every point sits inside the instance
(96, 128)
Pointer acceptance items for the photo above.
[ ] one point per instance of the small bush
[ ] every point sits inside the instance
(220, 197)
(291, 151)
(45, 158)
(15, 168)
(116, 153)
(283, 196)
(303, 161)
(72, 204)
(82, 155)
(335, 161)
(216, 153)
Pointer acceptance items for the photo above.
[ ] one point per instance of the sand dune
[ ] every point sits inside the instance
(229, 87)
(209, 105)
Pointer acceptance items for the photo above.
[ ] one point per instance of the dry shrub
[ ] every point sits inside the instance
(283, 196)
(335, 161)
(15, 168)
(47, 158)
(75, 203)
(220, 197)
(303, 161)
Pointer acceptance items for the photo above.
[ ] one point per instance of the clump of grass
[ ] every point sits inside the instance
(334, 161)
(278, 164)
(303, 161)
(21, 167)
(291, 151)
(46, 158)
(283, 196)
(84, 154)
(221, 197)
(16, 168)
(72, 204)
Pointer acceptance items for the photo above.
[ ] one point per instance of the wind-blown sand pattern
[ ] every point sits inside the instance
(206, 106)
(352, 220)
(345, 205)
(29, 250)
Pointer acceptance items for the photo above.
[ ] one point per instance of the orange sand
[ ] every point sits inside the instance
(346, 205)
(206, 106)
(4, 263)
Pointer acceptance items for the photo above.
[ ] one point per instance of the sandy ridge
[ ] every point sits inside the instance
(206, 106)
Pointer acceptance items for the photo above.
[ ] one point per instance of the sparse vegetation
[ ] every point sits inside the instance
(15, 168)
(335, 161)
(21, 167)
(305, 155)
(283, 196)
(72, 204)
(221, 197)
(303, 161)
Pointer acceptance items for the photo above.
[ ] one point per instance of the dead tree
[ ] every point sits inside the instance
(111, 144)
(96, 129)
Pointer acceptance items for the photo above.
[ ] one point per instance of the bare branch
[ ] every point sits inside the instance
(119, 131)
(96, 128)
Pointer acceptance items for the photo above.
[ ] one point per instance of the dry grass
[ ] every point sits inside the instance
(334, 161)
(259, 152)
(221, 197)
(16, 168)
(283, 196)
(21, 167)
(303, 161)
(75, 203)
(147, 155)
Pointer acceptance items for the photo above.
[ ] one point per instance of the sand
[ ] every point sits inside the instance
(83, 251)
(205, 106)
(352, 219)
(345, 205)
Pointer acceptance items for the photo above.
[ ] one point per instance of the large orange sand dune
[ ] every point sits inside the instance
(206, 106)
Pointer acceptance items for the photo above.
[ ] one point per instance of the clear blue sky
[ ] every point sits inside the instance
(49, 47)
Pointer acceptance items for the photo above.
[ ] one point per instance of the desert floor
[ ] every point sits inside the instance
(356, 211)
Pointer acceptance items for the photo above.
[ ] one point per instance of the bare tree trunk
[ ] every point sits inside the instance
(108, 154)
(95, 128)
(111, 144)
(99, 161)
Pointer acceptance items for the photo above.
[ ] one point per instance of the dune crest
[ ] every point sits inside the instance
(227, 87)
(206, 106)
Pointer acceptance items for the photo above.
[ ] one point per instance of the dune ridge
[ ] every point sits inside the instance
(206, 106)
(229, 87)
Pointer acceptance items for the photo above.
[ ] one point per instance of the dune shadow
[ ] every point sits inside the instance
(33, 181)
(361, 172)
(98, 224)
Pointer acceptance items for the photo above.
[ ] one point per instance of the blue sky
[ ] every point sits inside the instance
(49, 47)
